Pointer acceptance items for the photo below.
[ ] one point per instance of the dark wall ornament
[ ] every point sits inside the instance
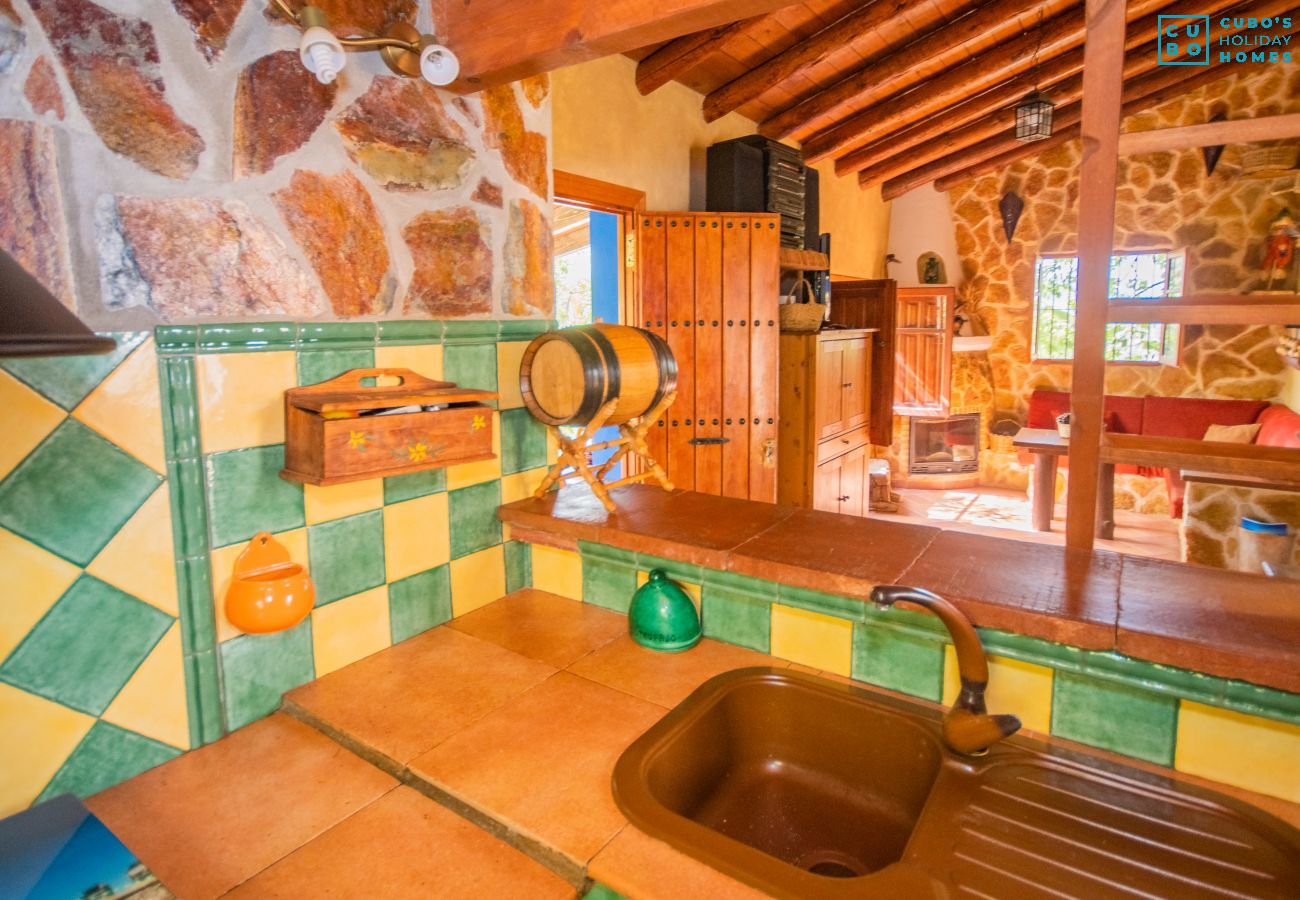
(1011, 206)
(1211, 154)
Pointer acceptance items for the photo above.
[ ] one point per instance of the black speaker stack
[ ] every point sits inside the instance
(755, 174)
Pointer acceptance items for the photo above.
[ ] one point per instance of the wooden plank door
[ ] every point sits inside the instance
(735, 355)
(873, 304)
(652, 262)
(923, 361)
(679, 240)
(709, 375)
(764, 396)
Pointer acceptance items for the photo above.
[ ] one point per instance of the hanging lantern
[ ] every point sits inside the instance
(1034, 117)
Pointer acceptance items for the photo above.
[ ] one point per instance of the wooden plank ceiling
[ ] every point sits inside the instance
(910, 92)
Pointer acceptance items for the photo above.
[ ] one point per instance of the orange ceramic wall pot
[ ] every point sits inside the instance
(268, 592)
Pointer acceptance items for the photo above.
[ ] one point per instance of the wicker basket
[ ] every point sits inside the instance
(805, 317)
(1001, 443)
(1260, 160)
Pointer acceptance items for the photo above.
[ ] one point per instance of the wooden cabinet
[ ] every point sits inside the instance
(825, 420)
(709, 287)
(872, 305)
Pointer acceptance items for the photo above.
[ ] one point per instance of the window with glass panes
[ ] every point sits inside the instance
(1133, 276)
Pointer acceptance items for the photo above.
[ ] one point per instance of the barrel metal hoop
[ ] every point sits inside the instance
(593, 376)
(613, 371)
(667, 367)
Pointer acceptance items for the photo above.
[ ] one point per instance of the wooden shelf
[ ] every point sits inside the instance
(804, 260)
(1211, 309)
(1272, 463)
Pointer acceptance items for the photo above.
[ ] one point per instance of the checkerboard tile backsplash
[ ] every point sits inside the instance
(129, 483)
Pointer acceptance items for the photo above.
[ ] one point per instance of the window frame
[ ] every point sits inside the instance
(1170, 353)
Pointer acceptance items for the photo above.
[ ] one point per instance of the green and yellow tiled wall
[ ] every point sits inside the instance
(91, 659)
(1228, 731)
(128, 485)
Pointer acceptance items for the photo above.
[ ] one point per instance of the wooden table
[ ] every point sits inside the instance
(1047, 446)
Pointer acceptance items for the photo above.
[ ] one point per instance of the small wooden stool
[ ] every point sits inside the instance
(630, 442)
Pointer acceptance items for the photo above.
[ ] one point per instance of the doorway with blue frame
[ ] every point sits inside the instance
(587, 289)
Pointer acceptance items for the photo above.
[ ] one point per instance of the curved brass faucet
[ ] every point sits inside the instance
(967, 728)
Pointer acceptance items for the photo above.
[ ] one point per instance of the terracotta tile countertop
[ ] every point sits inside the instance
(1227, 624)
(473, 760)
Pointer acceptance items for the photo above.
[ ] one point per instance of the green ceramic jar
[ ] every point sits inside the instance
(662, 616)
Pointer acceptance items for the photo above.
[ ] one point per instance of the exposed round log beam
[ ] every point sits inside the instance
(987, 25)
(677, 57)
(986, 114)
(962, 156)
(804, 55)
(1153, 89)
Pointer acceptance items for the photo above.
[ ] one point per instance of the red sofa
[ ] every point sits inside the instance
(1184, 417)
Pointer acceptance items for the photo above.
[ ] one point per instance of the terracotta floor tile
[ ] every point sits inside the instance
(1059, 594)
(542, 762)
(665, 678)
(637, 865)
(210, 819)
(546, 627)
(829, 552)
(416, 694)
(405, 846)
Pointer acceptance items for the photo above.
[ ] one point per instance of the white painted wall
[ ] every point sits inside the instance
(921, 222)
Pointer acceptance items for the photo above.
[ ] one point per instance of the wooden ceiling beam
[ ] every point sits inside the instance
(500, 41)
(1173, 81)
(986, 114)
(677, 57)
(1229, 131)
(1004, 144)
(804, 55)
(1058, 35)
(989, 23)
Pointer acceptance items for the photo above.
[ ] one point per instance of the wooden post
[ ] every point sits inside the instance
(1103, 83)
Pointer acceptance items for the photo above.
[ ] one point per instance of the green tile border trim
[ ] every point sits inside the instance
(251, 337)
(190, 536)
(1138, 674)
(521, 329)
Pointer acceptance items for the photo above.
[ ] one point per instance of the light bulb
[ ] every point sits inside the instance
(321, 53)
(438, 65)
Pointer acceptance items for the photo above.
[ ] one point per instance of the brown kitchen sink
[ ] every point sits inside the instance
(804, 787)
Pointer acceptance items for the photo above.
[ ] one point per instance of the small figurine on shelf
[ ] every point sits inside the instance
(1279, 251)
(932, 270)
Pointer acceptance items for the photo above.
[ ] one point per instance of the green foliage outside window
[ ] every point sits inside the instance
(1133, 276)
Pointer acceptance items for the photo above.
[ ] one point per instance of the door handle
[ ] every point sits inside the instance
(697, 441)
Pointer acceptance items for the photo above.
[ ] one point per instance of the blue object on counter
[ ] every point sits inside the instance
(1264, 527)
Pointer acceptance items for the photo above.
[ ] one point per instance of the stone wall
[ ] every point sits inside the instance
(1165, 201)
(175, 161)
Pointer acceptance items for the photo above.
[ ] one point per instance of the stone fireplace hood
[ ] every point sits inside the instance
(34, 323)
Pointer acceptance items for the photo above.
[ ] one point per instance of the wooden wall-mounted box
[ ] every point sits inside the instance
(332, 434)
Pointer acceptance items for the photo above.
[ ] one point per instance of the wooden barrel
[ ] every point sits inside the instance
(567, 376)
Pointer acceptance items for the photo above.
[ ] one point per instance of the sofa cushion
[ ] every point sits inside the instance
(1279, 427)
(1189, 417)
(1123, 414)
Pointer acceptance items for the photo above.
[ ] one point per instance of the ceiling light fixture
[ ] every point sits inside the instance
(403, 49)
(1035, 110)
